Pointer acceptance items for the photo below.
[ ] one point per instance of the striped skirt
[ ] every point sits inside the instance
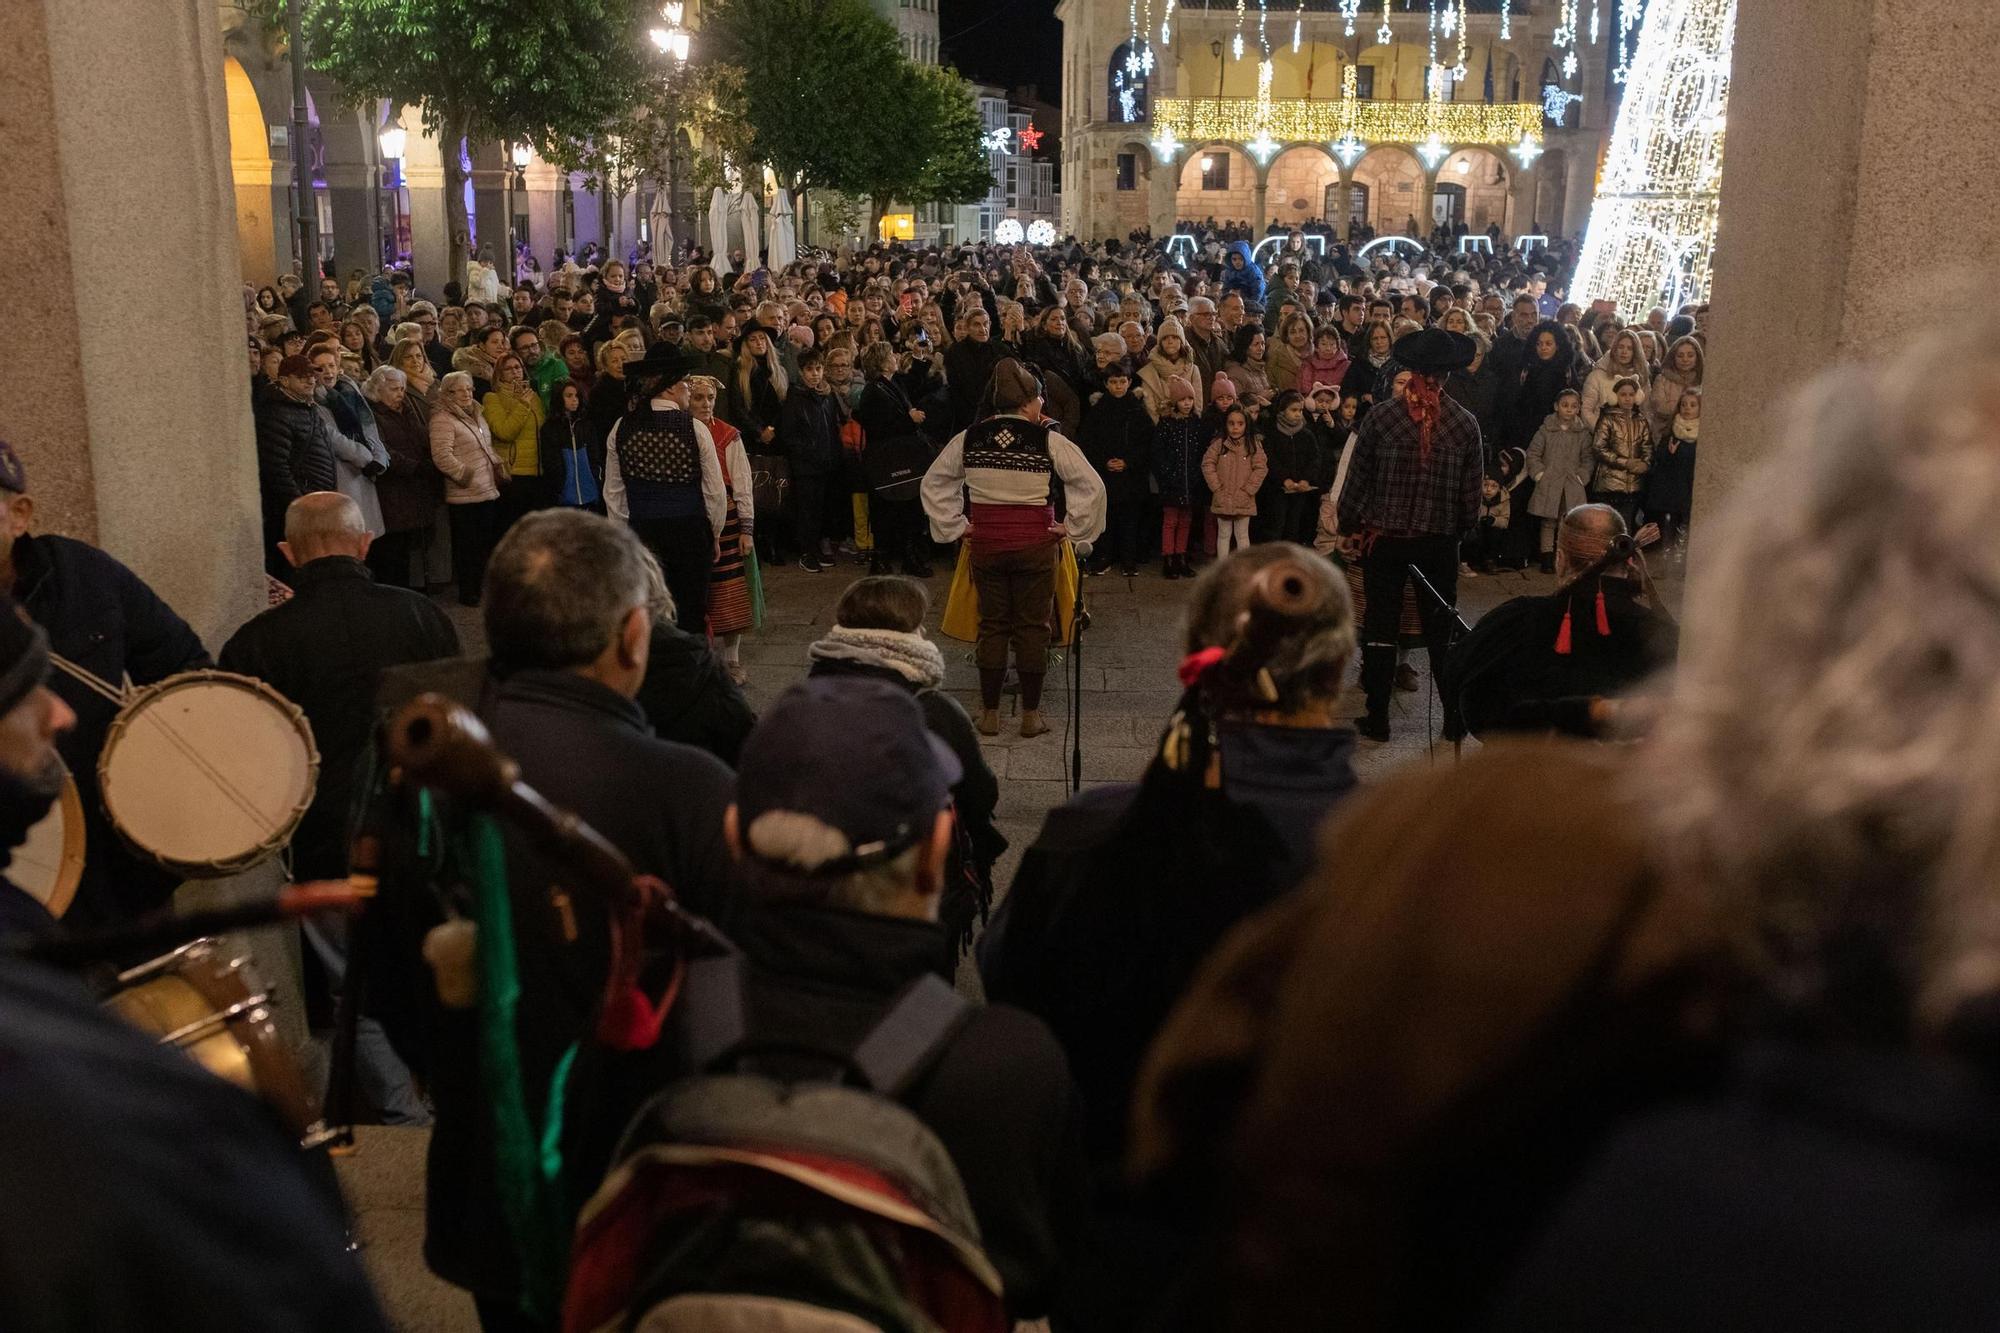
(729, 606)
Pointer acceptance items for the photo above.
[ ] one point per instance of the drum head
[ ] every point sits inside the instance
(208, 773)
(49, 865)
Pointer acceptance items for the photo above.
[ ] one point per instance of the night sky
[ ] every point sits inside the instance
(1007, 43)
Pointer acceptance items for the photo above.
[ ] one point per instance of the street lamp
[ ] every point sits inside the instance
(392, 140)
(672, 39)
(516, 180)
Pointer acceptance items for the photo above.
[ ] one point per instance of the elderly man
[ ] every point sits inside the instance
(325, 650)
(1558, 662)
(1205, 338)
(296, 454)
(567, 617)
(1412, 488)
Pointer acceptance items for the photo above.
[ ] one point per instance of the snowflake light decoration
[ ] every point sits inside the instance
(1041, 232)
(1008, 232)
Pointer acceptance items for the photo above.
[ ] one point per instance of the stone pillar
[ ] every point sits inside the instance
(1579, 188)
(355, 193)
(1882, 90)
(588, 217)
(150, 452)
(1259, 207)
(1163, 182)
(490, 172)
(544, 209)
(1522, 186)
(430, 234)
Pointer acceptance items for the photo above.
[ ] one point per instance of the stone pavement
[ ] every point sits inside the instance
(1128, 690)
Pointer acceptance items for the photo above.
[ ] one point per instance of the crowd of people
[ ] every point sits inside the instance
(1262, 1046)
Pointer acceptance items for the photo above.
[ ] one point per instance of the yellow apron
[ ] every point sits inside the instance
(961, 607)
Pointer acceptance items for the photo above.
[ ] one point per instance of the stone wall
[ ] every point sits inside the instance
(1235, 203)
(1395, 182)
(1297, 185)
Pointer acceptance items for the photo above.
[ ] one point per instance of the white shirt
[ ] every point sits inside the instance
(714, 497)
(944, 489)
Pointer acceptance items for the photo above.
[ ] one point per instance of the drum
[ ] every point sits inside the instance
(216, 1009)
(208, 773)
(49, 865)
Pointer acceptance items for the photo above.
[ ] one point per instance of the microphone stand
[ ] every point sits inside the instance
(1455, 631)
(1079, 622)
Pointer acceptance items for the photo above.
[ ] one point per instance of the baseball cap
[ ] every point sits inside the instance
(855, 754)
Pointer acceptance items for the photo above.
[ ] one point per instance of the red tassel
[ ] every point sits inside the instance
(1603, 621)
(1562, 637)
(1196, 665)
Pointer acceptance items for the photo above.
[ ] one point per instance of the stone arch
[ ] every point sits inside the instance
(260, 174)
(1296, 183)
(347, 174)
(1236, 202)
(1397, 184)
(1484, 181)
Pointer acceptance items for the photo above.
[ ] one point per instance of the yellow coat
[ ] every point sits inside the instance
(517, 429)
(961, 607)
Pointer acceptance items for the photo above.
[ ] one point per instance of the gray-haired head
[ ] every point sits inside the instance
(1834, 730)
(559, 587)
(381, 380)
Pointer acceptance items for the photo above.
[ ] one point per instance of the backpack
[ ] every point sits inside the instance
(742, 1203)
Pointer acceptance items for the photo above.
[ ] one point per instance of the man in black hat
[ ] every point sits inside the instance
(663, 476)
(114, 1145)
(295, 452)
(1412, 489)
(842, 827)
(101, 617)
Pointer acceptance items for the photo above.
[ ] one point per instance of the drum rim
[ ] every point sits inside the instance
(263, 851)
(75, 845)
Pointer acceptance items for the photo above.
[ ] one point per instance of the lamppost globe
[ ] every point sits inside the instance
(392, 141)
(521, 155)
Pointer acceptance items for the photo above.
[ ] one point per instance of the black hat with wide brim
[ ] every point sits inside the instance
(667, 361)
(1434, 351)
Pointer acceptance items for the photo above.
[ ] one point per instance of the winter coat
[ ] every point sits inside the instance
(688, 696)
(1361, 377)
(1315, 371)
(1670, 485)
(762, 408)
(809, 433)
(1291, 457)
(1663, 399)
(1248, 280)
(1153, 377)
(358, 454)
(605, 402)
(1119, 428)
(463, 451)
(295, 454)
(968, 365)
(1624, 449)
(1561, 464)
(1474, 393)
(412, 488)
(1532, 398)
(1282, 364)
(1251, 381)
(1178, 443)
(517, 428)
(573, 451)
(1600, 394)
(1234, 475)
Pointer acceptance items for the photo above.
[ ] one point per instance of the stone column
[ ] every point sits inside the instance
(150, 454)
(1579, 187)
(430, 234)
(1163, 182)
(355, 192)
(1882, 90)
(1522, 186)
(1259, 207)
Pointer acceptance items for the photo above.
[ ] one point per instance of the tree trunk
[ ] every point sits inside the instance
(878, 205)
(451, 140)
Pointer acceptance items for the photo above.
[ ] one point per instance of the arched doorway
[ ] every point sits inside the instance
(1473, 187)
(1295, 191)
(1392, 187)
(1217, 181)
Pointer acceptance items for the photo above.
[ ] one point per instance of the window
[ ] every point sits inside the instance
(1128, 171)
(1127, 101)
(1215, 171)
(1357, 205)
(1364, 81)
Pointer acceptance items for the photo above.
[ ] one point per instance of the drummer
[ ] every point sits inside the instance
(141, 1191)
(101, 616)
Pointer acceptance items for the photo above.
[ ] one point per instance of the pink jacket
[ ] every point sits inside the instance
(1234, 475)
(1313, 371)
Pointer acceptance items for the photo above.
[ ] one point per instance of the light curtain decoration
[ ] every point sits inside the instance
(1652, 225)
(1296, 120)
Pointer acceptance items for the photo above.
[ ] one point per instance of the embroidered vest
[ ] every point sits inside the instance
(659, 446)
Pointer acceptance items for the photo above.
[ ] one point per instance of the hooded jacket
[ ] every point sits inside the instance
(1248, 280)
(1561, 464)
(1234, 476)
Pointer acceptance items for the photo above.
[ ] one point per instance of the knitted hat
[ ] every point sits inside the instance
(1173, 326)
(1178, 388)
(1221, 387)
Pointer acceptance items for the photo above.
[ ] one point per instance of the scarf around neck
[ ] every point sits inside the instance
(909, 654)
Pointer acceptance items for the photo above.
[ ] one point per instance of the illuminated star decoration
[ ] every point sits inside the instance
(1029, 138)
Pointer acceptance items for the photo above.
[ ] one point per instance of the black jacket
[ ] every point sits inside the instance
(809, 433)
(589, 751)
(688, 696)
(968, 366)
(999, 1097)
(1670, 485)
(294, 455)
(103, 617)
(1119, 428)
(325, 651)
(144, 1193)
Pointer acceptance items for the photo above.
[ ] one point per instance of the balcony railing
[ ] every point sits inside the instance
(1196, 120)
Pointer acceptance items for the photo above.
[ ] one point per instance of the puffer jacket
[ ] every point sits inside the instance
(1177, 466)
(463, 451)
(1249, 279)
(1234, 475)
(1561, 464)
(295, 451)
(1623, 446)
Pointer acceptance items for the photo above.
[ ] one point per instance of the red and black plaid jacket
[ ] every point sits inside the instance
(1390, 490)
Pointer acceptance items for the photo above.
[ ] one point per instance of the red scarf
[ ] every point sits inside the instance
(1421, 396)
